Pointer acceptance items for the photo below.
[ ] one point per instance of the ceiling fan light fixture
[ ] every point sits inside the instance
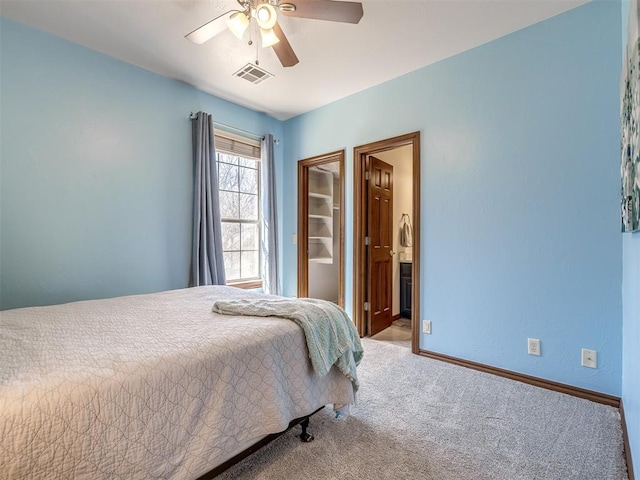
(269, 37)
(238, 24)
(266, 16)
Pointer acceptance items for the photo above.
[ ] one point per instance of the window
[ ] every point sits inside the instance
(239, 184)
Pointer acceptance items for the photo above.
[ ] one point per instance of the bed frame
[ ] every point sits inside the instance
(305, 436)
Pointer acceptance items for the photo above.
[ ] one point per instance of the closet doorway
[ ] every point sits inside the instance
(369, 290)
(321, 227)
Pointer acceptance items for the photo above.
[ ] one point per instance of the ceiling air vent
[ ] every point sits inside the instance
(252, 73)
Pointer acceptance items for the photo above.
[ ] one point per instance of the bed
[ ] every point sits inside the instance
(148, 386)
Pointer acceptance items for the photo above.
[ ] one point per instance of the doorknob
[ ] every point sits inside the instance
(391, 253)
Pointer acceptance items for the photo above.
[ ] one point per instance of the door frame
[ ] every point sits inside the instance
(360, 154)
(303, 220)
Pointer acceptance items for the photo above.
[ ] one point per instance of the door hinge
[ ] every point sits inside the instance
(367, 241)
(366, 306)
(367, 175)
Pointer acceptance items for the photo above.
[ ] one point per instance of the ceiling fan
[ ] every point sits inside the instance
(265, 14)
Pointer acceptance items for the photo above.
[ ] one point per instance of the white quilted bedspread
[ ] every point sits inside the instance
(148, 386)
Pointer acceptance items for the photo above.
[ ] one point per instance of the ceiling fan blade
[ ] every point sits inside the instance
(283, 49)
(347, 12)
(209, 30)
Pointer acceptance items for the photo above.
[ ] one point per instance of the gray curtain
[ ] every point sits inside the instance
(271, 275)
(207, 262)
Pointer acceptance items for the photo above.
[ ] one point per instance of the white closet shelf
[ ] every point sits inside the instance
(320, 235)
(323, 196)
(321, 259)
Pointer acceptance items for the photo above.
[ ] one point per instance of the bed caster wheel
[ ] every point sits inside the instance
(305, 436)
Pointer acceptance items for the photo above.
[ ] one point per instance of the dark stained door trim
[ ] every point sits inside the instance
(303, 220)
(360, 155)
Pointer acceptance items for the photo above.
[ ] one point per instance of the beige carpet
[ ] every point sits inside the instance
(418, 418)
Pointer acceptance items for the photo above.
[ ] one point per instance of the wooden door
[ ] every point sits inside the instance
(380, 254)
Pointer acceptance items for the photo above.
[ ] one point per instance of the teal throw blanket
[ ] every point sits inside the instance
(331, 336)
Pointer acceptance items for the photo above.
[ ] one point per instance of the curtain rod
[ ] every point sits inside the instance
(192, 116)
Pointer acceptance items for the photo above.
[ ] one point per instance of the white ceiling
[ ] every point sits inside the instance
(336, 60)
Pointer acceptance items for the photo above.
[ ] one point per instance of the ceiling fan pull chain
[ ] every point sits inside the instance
(257, 54)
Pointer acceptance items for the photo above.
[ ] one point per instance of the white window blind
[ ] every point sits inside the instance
(233, 144)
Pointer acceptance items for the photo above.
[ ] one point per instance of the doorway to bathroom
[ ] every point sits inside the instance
(386, 239)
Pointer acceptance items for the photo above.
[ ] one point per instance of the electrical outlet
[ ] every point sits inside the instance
(426, 326)
(589, 358)
(533, 346)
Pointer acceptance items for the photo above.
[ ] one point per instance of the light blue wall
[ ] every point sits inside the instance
(631, 317)
(631, 340)
(520, 193)
(96, 172)
(520, 185)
